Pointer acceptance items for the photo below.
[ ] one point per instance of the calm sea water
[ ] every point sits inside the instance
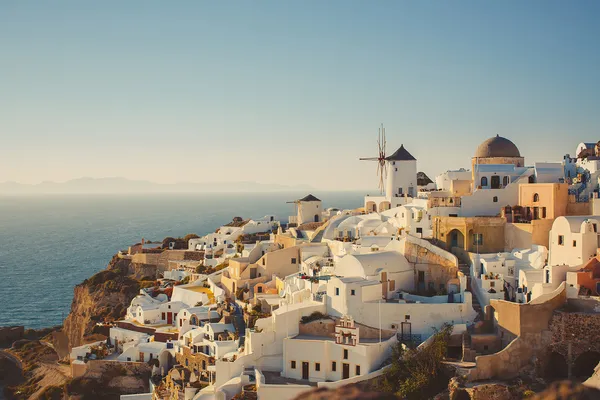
(49, 244)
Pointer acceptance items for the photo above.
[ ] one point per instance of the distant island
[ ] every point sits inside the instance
(129, 186)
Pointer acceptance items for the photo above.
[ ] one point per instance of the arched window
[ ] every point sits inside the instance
(536, 198)
(531, 179)
(484, 181)
(495, 199)
(506, 181)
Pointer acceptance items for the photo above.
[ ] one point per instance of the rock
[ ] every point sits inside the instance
(568, 390)
(347, 392)
(103, 297)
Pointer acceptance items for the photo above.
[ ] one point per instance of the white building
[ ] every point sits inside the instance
(343, 355)
(192, 317)
(308, 209)
(418, 315)
(389, 267)
(401, 182)
(573, 240)
(445, 180)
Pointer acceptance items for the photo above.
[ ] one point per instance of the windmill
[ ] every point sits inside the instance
(381, 158)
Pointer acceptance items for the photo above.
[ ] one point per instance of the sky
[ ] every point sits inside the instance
(288, 92)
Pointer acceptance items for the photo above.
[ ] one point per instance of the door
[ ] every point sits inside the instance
(406, 330)
(169, 318)
(345, 371)
(384, 285)
(304, 370)
(421, 281)
(495, 182)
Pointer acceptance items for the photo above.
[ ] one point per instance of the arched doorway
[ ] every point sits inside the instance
(455, 238)
(585, 364)
(316, 217)
(370, 207)
(556, 367)
(384, 205)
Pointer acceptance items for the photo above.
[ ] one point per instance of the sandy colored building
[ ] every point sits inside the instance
(242, 273)
(543, 200)
(472, 234)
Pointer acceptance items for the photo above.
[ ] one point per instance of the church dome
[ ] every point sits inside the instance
(497, 147)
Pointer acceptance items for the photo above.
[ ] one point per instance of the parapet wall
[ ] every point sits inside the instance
(527, 325)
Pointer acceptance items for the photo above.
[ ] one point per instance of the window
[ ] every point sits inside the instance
(358, 370)
(333, 366)
(506, 181)
(495, 199)
(484, 181)
(293, 261)
(492, 284)
(345, 354)
(561, 240)
(478, 239)
(396, 169)
(263, 261)
(419, 230)
(317, 367)
(574, 243)
(293, 364)
(337, 291)
(407, 317)
(352, 292)
(595, 227)
(536, 198)
(543, 212)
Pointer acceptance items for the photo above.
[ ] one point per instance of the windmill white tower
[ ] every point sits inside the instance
(397, 174)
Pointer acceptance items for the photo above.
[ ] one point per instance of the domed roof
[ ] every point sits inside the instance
(497, 147)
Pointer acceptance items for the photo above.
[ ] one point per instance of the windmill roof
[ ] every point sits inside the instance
(401, 155)
(310, 197)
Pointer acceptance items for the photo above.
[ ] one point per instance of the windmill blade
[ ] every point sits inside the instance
(384, 140)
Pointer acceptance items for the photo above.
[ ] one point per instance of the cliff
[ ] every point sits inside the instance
(102, 298)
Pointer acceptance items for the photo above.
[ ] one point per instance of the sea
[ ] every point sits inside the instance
(49, 244)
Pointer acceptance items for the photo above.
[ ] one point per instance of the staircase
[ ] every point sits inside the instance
(465, 269)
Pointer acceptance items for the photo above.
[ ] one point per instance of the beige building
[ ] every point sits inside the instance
(543, 200)
(472, 234)
(242, 273)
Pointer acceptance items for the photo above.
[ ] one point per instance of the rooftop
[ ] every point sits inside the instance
(309, 197)
(497, 147)
(401, 155)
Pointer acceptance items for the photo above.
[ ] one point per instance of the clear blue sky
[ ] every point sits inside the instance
(287, 91)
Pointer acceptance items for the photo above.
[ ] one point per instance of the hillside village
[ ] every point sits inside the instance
(505, 253)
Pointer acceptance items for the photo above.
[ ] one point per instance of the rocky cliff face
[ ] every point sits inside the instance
(103, 297)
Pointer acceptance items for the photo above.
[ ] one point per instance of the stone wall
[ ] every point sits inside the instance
(572, 334)
(161, 260)
(321, 327)
(129, 377)
(529, 325)
(579, 208)
(194, 362)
